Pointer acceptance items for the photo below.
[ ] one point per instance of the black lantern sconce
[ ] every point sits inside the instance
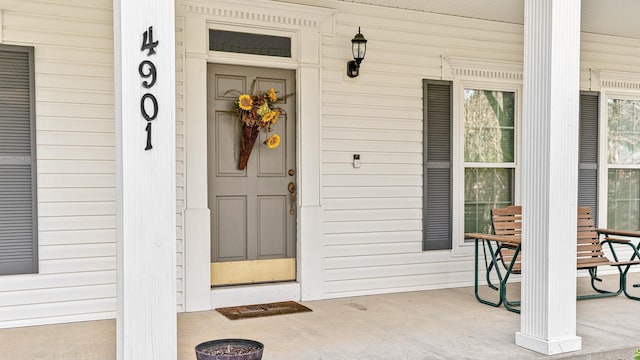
(358, 48)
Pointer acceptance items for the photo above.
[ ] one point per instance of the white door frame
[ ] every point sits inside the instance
(304, 25)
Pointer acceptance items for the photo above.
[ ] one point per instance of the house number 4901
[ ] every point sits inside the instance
(148, 72)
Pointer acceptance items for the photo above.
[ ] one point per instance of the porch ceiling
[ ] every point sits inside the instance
(611, 17)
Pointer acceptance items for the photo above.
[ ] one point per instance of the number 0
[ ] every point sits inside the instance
(143, 110)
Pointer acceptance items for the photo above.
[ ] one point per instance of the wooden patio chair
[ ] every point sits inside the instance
(590, 253)
(501, 251)
(502, 258)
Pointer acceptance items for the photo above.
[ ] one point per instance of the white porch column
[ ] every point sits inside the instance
(197, 217)
(550, 173)
(144, 41)
(311, 216)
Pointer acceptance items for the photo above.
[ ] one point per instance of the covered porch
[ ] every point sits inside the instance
(360, 228)
(435, 324)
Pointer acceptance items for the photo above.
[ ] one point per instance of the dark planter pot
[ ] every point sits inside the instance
(241, 349)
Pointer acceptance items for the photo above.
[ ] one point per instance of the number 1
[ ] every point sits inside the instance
(148, 130)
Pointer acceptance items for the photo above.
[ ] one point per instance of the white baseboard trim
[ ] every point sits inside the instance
(548, 347)
(254, 294)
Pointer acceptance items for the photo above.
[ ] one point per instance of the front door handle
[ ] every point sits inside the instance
(292, 190)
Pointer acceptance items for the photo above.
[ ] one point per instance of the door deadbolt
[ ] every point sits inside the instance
(292, 172)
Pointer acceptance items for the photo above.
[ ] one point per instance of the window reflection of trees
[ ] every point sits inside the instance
(623, 146)
(489, 126)
(623, 208)
(624, 131)
(485, 189)
(489, 134)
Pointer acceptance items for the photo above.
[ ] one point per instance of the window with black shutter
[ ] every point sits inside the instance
(588, 155)
(437, 165)
(18, 204)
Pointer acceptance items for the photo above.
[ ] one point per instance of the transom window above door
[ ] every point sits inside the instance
(249, 43)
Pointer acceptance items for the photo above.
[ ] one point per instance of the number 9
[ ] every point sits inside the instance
(151, 73)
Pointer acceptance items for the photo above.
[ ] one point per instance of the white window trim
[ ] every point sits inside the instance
(610, 84)
(486, 75)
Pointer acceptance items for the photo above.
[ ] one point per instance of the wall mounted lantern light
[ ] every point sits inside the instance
(358, 48)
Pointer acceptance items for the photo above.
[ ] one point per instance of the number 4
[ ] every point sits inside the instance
(148, 43)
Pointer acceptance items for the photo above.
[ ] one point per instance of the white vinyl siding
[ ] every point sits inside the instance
(73, 49)
(73, 42)
(373, 214)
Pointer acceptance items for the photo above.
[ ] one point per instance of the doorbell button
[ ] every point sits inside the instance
(356, 160)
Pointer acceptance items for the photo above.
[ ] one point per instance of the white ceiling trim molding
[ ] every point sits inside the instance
(265, 13)
(611, 17)
(615, 80)
(455, 68)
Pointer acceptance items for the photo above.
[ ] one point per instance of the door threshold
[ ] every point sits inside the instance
(225, 286)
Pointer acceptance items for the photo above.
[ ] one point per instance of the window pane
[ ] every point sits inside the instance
(246, 43)
(485, 189)
(489, 118)
(623, 131)
(623, 208)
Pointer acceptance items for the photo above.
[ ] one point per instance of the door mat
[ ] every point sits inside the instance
(260, 310)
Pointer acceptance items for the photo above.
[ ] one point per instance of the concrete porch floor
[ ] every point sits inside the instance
(436, 324)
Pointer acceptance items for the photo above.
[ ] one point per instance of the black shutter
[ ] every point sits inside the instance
(437, 165)
(588, 155)
(18, 204)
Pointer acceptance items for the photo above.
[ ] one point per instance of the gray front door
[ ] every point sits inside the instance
(253, 215)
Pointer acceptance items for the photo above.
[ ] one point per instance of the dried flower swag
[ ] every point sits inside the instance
(257, 112)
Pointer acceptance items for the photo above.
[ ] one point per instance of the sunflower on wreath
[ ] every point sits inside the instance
(256, 112)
